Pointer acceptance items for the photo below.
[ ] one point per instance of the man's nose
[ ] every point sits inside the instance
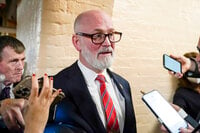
(107, 42)
(20, 65)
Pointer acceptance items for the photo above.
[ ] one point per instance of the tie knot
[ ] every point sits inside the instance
(5, 93)
(7, 88)
(100, 78)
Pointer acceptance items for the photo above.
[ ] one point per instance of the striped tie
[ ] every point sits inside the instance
(111, 118)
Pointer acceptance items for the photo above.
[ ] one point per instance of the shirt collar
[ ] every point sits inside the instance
(11, 86)
(91, 75)
(2, 86)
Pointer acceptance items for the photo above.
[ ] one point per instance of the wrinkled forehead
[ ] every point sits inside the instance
(10, 53)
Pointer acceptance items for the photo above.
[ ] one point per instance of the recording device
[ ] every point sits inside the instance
(171, 64)
(23, 90)
(164, 112)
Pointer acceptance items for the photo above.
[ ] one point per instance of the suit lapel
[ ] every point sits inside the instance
(124, 89)
(120, 87)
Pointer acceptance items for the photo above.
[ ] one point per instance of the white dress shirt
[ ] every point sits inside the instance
(94, 89)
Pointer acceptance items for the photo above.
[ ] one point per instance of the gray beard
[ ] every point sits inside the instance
(98, 64)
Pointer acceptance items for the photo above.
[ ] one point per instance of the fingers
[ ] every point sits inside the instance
(12, 124)
(50, 87)
(55, 94)
(34, 90)
(12, 114)
(177, 75)
(176, 107)
(179, 58)
(46, 94)
(163, 129)
(189, 129)
(20, 119)
(46, 89)
(185, 62)
(185, 130)
(51, 82)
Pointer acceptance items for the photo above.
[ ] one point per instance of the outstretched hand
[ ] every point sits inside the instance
(37, 111)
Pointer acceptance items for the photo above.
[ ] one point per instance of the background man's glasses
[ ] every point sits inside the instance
(99, 38)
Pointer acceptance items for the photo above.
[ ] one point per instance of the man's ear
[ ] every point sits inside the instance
(76, 42)
(24, 70)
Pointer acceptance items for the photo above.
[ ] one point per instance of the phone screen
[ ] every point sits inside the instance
(165, 113)
(171, 64)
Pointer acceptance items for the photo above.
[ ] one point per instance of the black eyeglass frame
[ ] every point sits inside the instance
(91, 36)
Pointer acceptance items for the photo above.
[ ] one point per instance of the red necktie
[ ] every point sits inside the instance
(111, 118)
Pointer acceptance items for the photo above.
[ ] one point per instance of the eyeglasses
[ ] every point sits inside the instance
(99, 38)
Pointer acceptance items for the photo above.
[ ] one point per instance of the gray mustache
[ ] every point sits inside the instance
(106, 50)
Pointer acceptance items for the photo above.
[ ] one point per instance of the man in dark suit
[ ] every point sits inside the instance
(97, 99)
(12, 57)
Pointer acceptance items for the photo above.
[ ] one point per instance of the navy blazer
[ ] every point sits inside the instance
(79, 110)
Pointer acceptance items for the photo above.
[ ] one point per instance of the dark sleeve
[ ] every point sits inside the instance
(191, 121)
(194, 73)
(179, 100)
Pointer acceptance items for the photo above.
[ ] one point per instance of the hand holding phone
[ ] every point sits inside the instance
(165, 113)
(171, 64)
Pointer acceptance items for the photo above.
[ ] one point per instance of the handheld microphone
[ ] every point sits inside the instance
(2, 78)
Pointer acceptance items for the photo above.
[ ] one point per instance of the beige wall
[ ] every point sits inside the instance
(150, 28)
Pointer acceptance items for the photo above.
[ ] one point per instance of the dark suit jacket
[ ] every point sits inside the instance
(79, 110)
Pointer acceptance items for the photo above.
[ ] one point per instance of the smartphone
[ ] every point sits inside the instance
(164, 112)
(171, 64)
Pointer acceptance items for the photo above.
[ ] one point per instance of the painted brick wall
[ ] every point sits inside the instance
(150, 28)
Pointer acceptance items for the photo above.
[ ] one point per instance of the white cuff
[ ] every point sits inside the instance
(182, 113)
